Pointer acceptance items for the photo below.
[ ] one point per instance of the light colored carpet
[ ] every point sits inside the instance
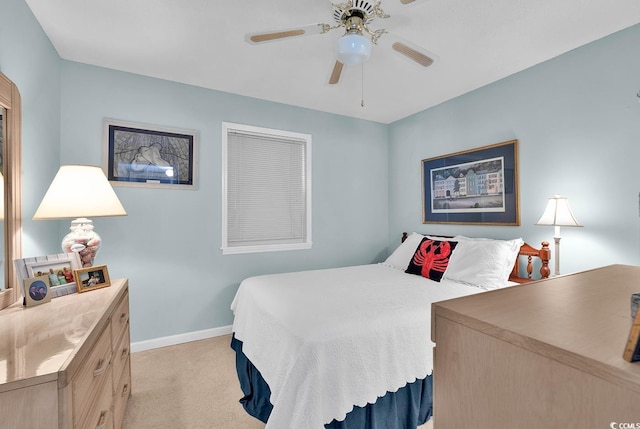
(188, 386)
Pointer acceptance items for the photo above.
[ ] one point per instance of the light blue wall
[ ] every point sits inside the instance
(577, 120)
(576, 117)
(169, 244)
(28, 58)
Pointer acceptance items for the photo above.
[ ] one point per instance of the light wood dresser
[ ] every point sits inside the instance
(543, 355)
(65, 364)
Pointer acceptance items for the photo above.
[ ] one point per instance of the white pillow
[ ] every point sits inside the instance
(401, 257)
(483, 262)
(436, 237)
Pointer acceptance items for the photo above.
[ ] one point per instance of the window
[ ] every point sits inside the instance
(266, 189)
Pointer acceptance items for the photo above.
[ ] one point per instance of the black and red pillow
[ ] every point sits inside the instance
(431, 258)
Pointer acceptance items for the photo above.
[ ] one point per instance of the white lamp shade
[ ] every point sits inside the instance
(79, 191)
(558, 213)
(353, 48)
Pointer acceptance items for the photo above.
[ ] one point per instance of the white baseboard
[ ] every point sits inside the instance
(172, 340)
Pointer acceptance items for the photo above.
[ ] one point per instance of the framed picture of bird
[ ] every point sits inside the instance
(141, 155)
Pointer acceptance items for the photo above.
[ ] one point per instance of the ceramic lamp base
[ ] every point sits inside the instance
(83, 240)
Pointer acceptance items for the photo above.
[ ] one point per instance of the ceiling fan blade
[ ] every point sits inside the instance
(335, 74)
(412, 51)
(406, 1)
(413, 54)
(270, 36)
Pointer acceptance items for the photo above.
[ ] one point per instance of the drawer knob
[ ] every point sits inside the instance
(101, 367)
(125, 390)
(125, 353)
(123, 317)
(103, 420)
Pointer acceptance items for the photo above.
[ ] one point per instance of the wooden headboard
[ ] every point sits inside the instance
(527, 254)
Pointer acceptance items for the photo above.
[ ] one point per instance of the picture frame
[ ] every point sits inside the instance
(40, 265)
(632, 349)
(477, 186)
(92, 278)
(36, 291)
(141, 155)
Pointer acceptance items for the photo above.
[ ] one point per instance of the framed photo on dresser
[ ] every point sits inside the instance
(58, 268)
(36, 291)
(92, 278)
(632, 350)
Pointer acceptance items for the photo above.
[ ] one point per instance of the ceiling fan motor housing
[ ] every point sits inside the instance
(359, 8)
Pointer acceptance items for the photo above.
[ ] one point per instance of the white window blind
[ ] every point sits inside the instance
(267, 192)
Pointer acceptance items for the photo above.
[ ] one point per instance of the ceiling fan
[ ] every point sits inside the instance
(353, 47)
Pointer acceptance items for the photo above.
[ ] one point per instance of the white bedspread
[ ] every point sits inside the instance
(327, 340)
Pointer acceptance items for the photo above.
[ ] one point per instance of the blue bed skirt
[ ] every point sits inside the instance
(408, 408)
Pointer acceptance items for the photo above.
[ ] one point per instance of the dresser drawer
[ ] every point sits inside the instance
(120, 320)
(121, 395)
(100, 416)
(121, 355)
(93, 377)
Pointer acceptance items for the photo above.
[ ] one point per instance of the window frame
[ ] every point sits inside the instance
(228, 127)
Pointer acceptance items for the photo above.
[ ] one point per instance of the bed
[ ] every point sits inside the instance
(350, 347)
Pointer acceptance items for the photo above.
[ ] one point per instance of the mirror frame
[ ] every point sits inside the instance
(10, 100)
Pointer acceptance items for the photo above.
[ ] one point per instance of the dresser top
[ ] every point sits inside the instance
(582, 320)
(38, 343)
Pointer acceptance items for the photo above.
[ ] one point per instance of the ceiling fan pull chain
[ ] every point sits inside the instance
(362, 87)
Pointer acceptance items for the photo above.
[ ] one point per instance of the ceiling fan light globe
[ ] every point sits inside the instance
(353, 49)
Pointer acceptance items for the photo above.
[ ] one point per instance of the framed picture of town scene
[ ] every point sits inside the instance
(477, 186)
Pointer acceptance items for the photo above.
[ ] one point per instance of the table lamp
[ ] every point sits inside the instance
(558, 213)
(80, 192)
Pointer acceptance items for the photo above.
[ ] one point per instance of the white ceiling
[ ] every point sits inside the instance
(201, 42)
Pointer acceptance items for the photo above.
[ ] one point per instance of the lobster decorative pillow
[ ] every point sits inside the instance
(431, 258)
